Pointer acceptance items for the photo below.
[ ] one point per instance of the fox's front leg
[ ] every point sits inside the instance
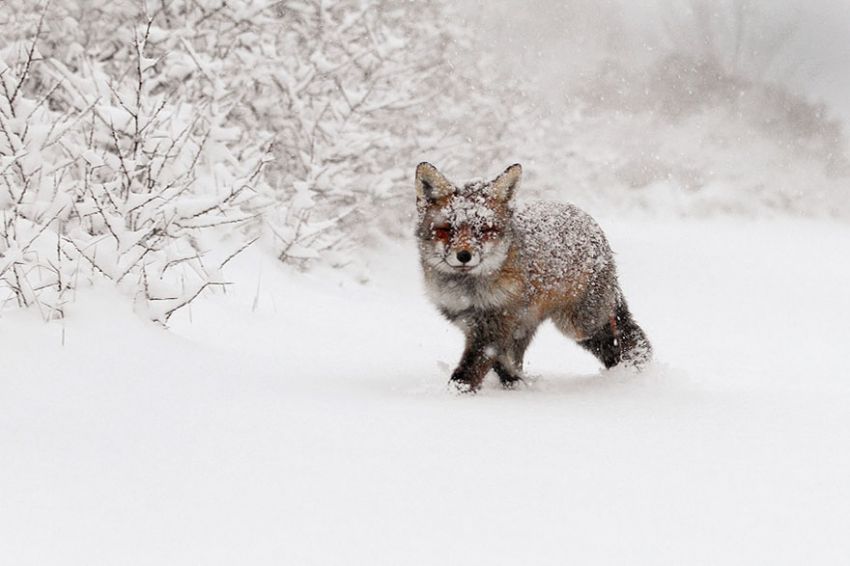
(508, 366)
(478, 358)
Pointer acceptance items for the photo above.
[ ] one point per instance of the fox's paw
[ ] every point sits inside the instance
(512, 382)
(461, 386)
(509, 379)
(638, 357)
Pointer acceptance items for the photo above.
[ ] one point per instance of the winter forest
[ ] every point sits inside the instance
(215, 341)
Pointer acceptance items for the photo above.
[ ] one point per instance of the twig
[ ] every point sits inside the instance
(194, 296)
(237, 252)
(30, 56)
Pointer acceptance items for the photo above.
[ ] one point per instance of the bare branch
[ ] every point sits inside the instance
(30, 56)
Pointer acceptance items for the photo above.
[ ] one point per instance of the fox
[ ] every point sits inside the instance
(498, 271)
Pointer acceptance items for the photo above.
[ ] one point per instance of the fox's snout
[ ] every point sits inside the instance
(463, 258)
(462, 250)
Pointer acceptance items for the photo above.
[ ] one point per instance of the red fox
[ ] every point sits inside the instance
(498, 272)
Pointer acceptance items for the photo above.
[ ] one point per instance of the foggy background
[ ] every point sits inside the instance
(550, 44)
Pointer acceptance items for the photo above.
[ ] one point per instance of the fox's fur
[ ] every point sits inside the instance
(499, 272)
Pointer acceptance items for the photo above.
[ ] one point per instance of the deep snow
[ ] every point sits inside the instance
(304, 420)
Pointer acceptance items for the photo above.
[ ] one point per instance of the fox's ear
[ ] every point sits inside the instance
(504, 185)
(431, 185)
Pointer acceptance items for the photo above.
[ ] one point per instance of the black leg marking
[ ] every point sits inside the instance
(621, 340)
(476, 360)
(508, 378)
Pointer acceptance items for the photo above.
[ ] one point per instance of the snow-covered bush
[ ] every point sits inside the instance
(356, 93)
(133, 132)
(109, 171)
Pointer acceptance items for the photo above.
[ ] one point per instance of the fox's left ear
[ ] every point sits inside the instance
(504, 185)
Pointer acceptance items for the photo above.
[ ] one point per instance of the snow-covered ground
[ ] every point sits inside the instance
(304, 420)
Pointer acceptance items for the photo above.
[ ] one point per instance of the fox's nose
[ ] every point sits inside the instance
(464, 256)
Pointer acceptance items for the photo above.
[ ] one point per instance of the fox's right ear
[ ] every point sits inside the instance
(431, 185)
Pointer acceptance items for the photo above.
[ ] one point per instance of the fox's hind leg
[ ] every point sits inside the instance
(619, 341)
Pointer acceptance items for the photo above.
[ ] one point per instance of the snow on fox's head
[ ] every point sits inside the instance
(464, 230)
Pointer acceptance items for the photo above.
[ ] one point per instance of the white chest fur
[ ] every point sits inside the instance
(479, 293)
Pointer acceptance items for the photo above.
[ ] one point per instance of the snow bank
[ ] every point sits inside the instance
(309, 423)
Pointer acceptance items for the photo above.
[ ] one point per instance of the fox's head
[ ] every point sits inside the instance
(464, 230)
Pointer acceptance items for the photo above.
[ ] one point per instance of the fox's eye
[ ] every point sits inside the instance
(442, 232)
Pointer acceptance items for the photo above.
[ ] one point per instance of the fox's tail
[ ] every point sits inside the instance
(620, 340)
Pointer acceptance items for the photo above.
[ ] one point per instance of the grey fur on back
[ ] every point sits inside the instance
(562, 243)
